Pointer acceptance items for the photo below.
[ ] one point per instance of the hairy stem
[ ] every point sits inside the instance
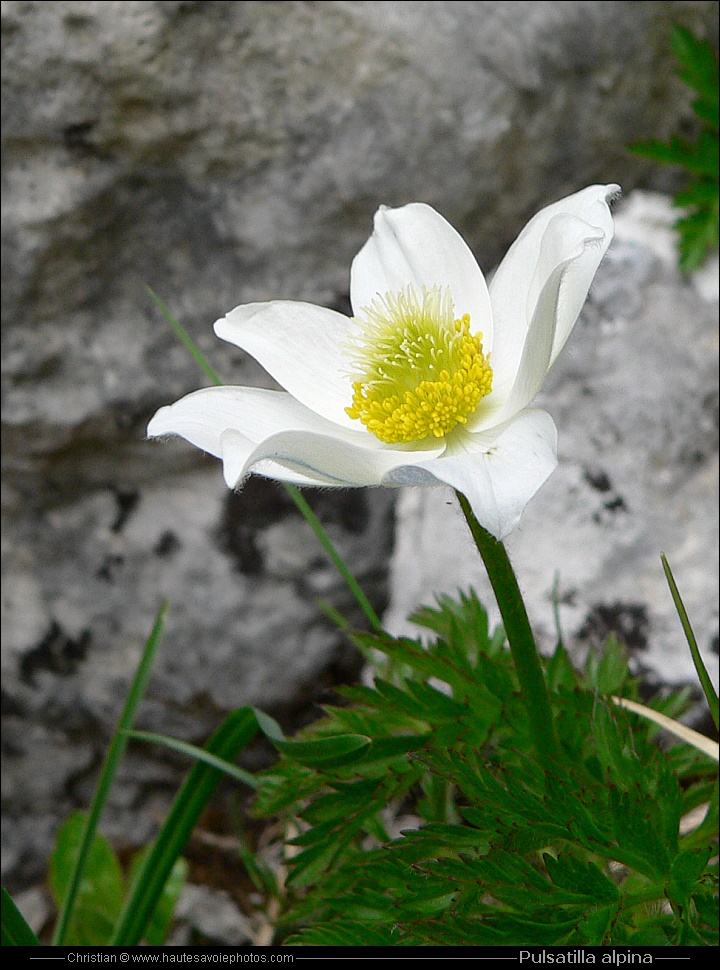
(519, 634)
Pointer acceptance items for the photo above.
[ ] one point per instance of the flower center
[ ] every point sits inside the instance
(417, 370)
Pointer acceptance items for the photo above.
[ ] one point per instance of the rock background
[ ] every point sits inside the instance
(228, 152)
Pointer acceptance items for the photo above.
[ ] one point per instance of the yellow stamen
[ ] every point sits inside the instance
(418, 372)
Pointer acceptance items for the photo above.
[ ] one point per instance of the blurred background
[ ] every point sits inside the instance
(221, 153)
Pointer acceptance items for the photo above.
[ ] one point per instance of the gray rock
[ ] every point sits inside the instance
(243, 573)
(634, 396)
(222, 153)
(35, 907)
(214, 914)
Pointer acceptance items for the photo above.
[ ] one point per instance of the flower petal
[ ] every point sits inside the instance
(236, 450)
(499, 472)
(549, 239)
(333, 461)
(541, 339)
(301, 346)
(415, 245)
(203, 416)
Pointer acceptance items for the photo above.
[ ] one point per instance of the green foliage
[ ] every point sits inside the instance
(161, 919)
(433, 824)
(102, 890)
(237, 730)
(705, 682)
(95, 907)
(76, 872)
(14, 928)
(698, 227)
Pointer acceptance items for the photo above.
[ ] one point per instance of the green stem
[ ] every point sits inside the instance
(110, 766)
(314, 523)
(519, 634)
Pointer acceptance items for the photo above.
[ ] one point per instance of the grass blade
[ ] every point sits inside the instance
(110, 766)
(705, 682)
(15, 930)
(236, 731)
(198, 753)
(195, 352)
(339, 563)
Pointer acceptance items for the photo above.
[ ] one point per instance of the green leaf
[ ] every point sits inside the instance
(531, 932)
(107, 775)
(607, 670)
(635, 834)
(698, 236)
(581, 878)
(342, 803)
(15, 930)
(345, 932)
(560, 672)
(594, 927)
(397, 700)
(697, 229)
(236, 731)
(182, 747)
(685, 874)
(702, 193)
(262, 876)
(575, 808)
(385, 749)
(705, 682)
(269, 727)
(416, 904)
(437, 835)
(311, 863)
(162, 917)
(474, 874)
(325, 752)
(437, 706)
(612, 748)
(699, 63)
(100, 896)
(705, 903)
(463, 620)
(700, 157)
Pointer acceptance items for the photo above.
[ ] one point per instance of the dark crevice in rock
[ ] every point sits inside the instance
(76, 136)
(627, 621)
(126, 502)
(346, 507)
(262, 503)
(598, 479)
(57, 652)
(616, 504)
(610, 509)
(167, 545)
(111, 566)
(10, 706)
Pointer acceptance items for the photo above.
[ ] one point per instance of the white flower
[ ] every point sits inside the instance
(429, 383)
